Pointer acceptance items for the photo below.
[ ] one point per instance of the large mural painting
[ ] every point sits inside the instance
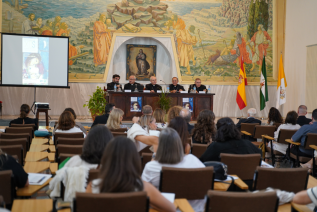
(210, 35)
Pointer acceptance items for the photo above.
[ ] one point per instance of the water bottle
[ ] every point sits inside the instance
(209, 89)
(168, 89)
(115, 87)
(136, 89)
(194, 89)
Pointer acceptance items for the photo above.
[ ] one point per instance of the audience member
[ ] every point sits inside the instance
(306, 197)
(140, 132)
(302, 111)
(274, 117)
(186, 114)
(228, 140)
(204, 130)
(173, 112)
(132, 85)
(175, 87)
(93, 148)
(290, 124)
(7, 162)
(120, 172)
(24, 119)
(180, 125)
(147, 110)
(197, 85)
(77, 124)
(300, 136)
(170, 153)
(115, 81)
(104, 118)
(66, 124)
(153, 87)
(250, 119)
(159, 116)
(115, 119)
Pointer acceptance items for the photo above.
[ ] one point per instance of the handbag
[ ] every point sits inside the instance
(220, 169)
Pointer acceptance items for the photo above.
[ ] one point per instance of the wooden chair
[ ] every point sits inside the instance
(286, 179)
(120, 130)
(68, 149)
(249, 128)
(14, 150)
(25, 125)
(277, 125)
(17, 136)
(145, 158)
(242, 165)
(93, 174)
(115, 134)
(119, 202)
(198, 149)
(70, 141)
(7, 187)
(146, 150)
(219, 201)
(19, 130)
(282, 136)
(187, 183)
(264, 130)
(62, 157)
(18, 141)
(67, 135)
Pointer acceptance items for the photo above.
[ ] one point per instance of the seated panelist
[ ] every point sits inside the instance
(153, 87)
(197, 85)
(132, 84)
(174, 87)
(115, 80)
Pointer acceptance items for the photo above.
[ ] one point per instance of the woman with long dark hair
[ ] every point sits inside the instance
(228, 140)
(23, 118)
(120, 172)
(204, 130)
(274, 116)
(180, 125)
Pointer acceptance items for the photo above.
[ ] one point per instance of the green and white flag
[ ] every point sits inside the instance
(264, 97)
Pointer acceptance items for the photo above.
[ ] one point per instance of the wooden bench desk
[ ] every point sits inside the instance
(34, 205)
(31, 189)
(36, 167)
(38, 148)
(39, 141)
(38, 156)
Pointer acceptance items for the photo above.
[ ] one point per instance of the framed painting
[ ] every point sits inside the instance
(141, 61)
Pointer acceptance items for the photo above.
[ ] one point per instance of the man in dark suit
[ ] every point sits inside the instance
(250, 119)
(186, 114)
(153, 87)
(132, 84)
(197, 85)
(115, 81)
(302, 120)
(174, 87)
(104, 118)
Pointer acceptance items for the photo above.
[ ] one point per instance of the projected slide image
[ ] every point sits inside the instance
(35, 61)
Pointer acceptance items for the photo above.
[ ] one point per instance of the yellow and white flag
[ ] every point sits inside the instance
(281, 85)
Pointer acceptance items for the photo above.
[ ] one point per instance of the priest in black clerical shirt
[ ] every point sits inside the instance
(115, 80)
(153, 87)
(174, 87)
(132, 84)
(198, 85)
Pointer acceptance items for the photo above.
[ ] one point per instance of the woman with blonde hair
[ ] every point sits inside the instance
(115, 119)
(159, 116)
(173, 112)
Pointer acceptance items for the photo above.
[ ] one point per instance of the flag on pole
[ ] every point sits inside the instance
(241, 96)
(281, 85)
(264, 97)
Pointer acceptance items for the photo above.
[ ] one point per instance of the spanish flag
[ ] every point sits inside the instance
(241, 97)
(281, 85)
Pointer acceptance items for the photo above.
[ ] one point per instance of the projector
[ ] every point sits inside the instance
(42, 105)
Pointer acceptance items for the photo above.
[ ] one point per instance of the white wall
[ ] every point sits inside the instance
(301, 30)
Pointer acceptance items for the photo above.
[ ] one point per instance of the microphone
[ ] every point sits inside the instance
(163, 82)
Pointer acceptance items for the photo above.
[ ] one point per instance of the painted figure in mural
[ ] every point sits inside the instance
(185, 42)
(102, 41)
(56, 24)
(259, 42)
(142, 63)
(73, 51)
(63, 30)
(28, 24)
(240, 49)
(47, 29)
(38, 25)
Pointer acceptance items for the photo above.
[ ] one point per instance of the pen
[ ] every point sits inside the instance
(41, 179)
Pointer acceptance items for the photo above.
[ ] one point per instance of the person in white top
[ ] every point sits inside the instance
(93, 148)
(66, 124)
(120, 172)
(142, 130)
(290, 124)
(170, 153)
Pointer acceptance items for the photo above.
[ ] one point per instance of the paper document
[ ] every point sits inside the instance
(2, 130)
(45, 130)
(38, 179)
(169, 196)
(154, 133)
(228, 178)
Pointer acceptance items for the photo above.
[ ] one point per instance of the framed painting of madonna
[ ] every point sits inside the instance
(141, 61)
